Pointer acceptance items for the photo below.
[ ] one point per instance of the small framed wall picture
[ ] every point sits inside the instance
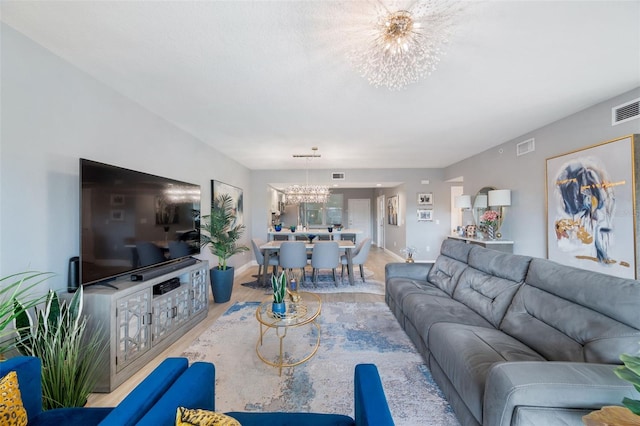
(117, 200)
(425, 198)
(425, 215)
(117, 215)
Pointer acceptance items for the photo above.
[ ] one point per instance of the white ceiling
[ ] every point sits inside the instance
(261, 80)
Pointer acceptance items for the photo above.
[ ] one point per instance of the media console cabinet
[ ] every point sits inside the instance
(140, 319)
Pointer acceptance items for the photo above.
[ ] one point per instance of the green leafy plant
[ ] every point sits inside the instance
(279, 285)
(58, 336)
(12, 288)
(220, 232)
(630, 372)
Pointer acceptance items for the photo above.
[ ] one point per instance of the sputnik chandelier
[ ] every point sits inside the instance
(405, 45)
(296, 194)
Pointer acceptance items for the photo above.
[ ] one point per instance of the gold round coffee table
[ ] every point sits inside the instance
(298, 314)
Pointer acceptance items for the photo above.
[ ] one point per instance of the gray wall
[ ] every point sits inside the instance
(53, 114)
(525, 221)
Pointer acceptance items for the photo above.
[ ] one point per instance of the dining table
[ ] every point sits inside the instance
(272, 247)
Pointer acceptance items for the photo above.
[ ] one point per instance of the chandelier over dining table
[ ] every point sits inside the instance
(306, 193)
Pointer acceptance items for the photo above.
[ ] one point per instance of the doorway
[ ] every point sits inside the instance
(380, 218)
(359, 216)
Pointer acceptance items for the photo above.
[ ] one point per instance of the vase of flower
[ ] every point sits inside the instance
(490, 220)
(491, 232)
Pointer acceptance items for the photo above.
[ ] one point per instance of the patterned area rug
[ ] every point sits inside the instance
(327, 285)
(351, 333)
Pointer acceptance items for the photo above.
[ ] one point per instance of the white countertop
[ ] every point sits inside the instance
(480, 240)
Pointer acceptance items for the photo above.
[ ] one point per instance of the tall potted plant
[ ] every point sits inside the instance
(221, 233)
(12, 288)
(58, 336)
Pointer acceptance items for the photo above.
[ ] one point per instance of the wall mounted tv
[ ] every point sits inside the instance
(131, 221)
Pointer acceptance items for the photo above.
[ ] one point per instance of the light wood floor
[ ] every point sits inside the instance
(376, 261)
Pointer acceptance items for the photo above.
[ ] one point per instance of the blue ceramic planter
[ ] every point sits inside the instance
(279, 308)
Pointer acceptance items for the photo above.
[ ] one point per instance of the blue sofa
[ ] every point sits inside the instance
(175, 384)
(153, 402)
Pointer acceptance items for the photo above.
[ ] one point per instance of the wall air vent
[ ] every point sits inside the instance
(526, 147)
(625, 112)
(337, 176)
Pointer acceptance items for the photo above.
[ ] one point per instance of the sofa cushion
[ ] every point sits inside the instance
(570, 314)
(12, 411)
(422, 311)
(466, 354)
(489, 283)
(198, 417)
(449, 265)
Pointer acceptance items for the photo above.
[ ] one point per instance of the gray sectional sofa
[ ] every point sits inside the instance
(515, 340)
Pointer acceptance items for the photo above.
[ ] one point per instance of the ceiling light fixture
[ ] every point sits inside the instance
(296, 194)
(405, 45)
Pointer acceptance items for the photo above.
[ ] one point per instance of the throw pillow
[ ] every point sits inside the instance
(198, 417)
(12, 413)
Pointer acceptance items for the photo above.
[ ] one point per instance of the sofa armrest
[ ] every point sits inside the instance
(371, 406)
(415, 271)
(193, 389)
(147, 393)
(549, 384)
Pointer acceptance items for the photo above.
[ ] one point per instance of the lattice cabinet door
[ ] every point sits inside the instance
(169, 312)
(199, 291)
(133, 316)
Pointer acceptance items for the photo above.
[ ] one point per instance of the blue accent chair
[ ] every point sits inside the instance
(175, 384)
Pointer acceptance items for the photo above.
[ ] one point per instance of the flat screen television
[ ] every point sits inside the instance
(131, 221)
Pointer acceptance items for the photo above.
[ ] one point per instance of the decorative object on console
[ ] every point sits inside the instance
(403, 46)
(489, 220)
(409, 251)
(221, 232)
(591, 210)
(470, 231)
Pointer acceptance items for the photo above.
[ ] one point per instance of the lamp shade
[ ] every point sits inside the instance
(500, 197)
(480, 202)
(463, 201)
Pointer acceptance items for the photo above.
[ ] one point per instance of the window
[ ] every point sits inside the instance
(319, 214)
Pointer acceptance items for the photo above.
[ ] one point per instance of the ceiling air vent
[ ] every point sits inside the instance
(337, 176)
(526, 147)
(625, 112)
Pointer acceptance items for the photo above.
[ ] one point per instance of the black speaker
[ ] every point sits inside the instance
(74, 272)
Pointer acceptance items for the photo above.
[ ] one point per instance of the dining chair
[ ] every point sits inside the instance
(178, 249)
(325, 255)
(293, 254)
(149, 253)
(358, 257)
(260, 260)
